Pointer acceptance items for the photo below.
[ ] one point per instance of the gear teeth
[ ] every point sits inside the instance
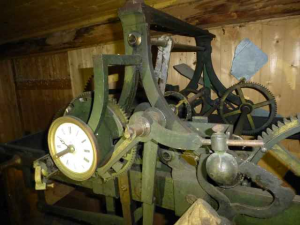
(124, 113)
(121, 111)
(266, 92)
(274, 127)
(269, 131)
(259, 138)
(264, 134)
(293, 118)
(285, 121)
(280, 124)
(298, 116)
(88, 82)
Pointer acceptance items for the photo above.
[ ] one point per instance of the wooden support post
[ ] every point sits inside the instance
(148, 181)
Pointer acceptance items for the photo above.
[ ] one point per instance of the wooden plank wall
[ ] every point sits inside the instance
(10, 122)
(81, 63)
(43, 87)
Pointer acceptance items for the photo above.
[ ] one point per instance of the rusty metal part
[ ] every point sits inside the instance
(162, 62)
(126, 198)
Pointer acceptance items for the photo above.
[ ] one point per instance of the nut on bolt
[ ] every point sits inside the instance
(219, 128)
(140, 128)
(134, 39)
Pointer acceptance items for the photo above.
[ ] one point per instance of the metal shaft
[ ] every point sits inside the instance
(249, 143)
(177, 47)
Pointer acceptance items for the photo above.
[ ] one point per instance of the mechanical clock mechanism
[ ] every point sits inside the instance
(93, 142)
(76, 149)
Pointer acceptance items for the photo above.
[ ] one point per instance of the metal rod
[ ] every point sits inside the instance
(177, 47)
(160, 43)
(249, 143)
(186, 48)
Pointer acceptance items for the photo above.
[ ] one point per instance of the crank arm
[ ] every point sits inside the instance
(282, 196)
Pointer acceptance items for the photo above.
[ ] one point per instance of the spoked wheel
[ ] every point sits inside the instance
(241, 113)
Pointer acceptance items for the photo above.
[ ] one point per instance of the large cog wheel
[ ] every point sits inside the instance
(272, 138)
(241, 112)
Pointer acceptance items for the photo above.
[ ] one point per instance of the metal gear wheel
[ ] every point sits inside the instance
(272, 138)
(88, 86)
(240, 112)
(179, 104)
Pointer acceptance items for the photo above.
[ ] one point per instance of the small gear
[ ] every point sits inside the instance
(272, 138)
(240, 111)
(118, 110)
(179, 104)
(127, 162)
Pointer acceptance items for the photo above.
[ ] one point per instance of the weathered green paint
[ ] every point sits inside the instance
(101, 64)
(148, 181)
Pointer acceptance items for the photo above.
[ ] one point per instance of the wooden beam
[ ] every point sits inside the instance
(200, 13)
(55, 84)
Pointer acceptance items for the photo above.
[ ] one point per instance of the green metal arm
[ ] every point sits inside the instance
(101, 64)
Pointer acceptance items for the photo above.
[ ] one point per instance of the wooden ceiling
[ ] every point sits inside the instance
(30, 18)
(35, 26)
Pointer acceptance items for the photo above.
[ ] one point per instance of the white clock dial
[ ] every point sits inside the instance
(73, 147)
(80, 158)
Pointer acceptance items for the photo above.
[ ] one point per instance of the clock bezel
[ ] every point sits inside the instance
(52, 149)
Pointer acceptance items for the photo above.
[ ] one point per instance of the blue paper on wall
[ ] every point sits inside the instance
(248, 59)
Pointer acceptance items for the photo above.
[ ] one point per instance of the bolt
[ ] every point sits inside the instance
(123, 188)
(190, 198)
(219, 128)
(263, 149)
(82, 99)
(69, 109)
(51, 185)
(228, 134)
(134, 39)
(245, 183)
(166, 156)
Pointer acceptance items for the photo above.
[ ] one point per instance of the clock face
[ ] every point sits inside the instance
(73, 147)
